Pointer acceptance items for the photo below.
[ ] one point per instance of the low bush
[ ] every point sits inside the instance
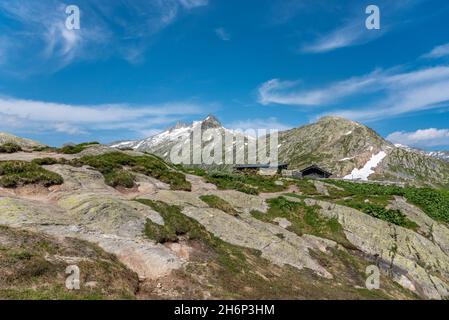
(17, 173)
(10, 148)
(120, 178)
(74, 149)
(111, 165)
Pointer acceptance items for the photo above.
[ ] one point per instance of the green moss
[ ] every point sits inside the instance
(10, 148)
(17, 173)
(218, 203)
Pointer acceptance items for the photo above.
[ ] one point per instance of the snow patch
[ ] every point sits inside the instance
(368, 169)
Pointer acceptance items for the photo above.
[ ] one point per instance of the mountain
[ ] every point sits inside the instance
(346, 148)
(24, 143)
(353, 151)
(442, 155)
(161, 144)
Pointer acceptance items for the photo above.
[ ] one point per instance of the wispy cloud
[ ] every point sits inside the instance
(81, 119)
(396, 93)
(223, 34)
(352, 31)
(350, 35)
(421, 138)
(286, 92)
(438, 52)
(121, 27)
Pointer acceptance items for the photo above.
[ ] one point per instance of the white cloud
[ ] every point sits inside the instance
(438, 52)
(350, 35)
(223, 34)
(82, 119)
(421, 138)
(255, 124)
(286, 92)
(121, 27)
(396, 93)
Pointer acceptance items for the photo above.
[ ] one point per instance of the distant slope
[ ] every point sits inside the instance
(353, 151)
(24, 143)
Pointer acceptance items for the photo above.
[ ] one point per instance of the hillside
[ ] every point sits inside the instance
(187, 233)
(345, 148)
(22, 142)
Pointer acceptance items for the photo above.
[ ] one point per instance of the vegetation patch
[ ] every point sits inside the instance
(74, 149)
(10, 148)
(18, 173)
(122, 178)
(250, 184)
(32, 267)
(304, 220)
(218, 203)
(380, 212)
(178, 225)
(112, 166)
(434, 202)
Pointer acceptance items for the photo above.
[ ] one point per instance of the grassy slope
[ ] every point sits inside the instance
(32, 267)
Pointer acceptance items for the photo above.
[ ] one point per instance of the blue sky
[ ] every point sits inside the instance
(136, 67)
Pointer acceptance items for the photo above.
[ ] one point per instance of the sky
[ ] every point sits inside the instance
(136, 67)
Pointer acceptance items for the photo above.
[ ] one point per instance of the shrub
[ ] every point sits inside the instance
(109, 164)
(218, 203)
(45, 161)
(10, 148)
(120, 178)
(244, 183)
(76, 148)
(17, 173)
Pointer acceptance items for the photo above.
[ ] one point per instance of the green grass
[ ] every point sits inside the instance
(434, 202)
(30, 268)
(76, 148)
(45, 161)
(304, 219)
(250, 184)
(120, 178)
(380, 212)
(10, 148)
(218, 203)
(18, 173)
(306, 186)
(111, 165)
